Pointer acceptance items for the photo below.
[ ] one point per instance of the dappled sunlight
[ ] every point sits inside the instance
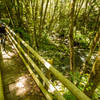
(21, 86)
(51, 88)
(83, 59)
(60, 87)
(7, 55)
(12, 47)
(21, 92)
(47, 64)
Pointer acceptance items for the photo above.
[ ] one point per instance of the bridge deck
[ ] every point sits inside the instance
(17, 82)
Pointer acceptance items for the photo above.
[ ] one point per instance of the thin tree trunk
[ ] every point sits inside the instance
(9, 13)
(51, 21)
(18, 13)
(94, 78)
(41, 17)
(45, 12)
(35, 23)
(92, 48)
(72, 65)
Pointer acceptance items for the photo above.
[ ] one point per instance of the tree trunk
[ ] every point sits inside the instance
(52, 19)
(9, 13)
(94, 78)
(92, 48)
(41, 18)
(71, 36)
(45, 12)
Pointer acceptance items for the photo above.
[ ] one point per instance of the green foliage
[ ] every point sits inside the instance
(5, 20)
(22, 33)
(83, 40)
(69, 96)
(96, 94)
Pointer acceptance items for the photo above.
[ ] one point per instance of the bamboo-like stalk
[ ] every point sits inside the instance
(45, 12)
(75, 91)
(71, 37)
(1, 86)
(8, 13)
(51, 21)
(41, 17)
(48, 83)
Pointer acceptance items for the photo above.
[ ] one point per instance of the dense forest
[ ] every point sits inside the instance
(65, 33)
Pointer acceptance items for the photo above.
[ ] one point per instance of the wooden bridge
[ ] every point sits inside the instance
(27, 55)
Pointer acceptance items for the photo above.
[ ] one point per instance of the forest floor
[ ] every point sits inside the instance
(53, 48)
(17, 82)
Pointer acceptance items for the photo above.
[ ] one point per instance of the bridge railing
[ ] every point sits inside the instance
(16, 40)
(20, 50)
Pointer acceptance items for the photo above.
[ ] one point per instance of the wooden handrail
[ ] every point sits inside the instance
(75, 91)
(47, 95)
(48, 83)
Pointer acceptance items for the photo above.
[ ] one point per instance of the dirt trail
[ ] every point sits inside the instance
(17, 82)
